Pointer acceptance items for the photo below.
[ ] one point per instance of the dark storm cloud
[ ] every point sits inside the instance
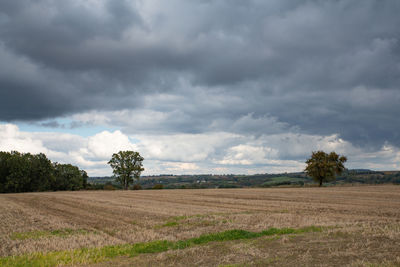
(319, 67)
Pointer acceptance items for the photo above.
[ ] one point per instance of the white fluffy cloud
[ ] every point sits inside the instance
(12, 139)
(194, 153)
(184, 147)
(225, 85)
(91, 153)
(104, 144)
(248, 155)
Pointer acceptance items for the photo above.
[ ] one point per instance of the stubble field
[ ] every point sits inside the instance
(336, 226)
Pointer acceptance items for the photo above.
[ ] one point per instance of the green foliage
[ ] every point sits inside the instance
(68, 177)
(323, 167)
(257, 180)
(93, 186)
(126, 165)
(93, 255)
(137, 187)
(226, 185)
(25, 172)
(158, 186)
(108, 186)
(284, 180)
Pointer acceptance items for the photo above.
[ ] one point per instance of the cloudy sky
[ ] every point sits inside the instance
(201, 86)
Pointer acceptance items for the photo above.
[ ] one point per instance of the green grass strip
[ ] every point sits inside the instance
(40, 234)
(93, 255)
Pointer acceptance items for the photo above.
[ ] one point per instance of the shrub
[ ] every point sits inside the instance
(94, 186)
(228, 186)
(108, 187)
(137, 187)
(158, 186)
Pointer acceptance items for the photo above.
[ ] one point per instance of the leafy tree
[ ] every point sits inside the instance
(25, 172)
(42, 173)
(68, 177)
(126, 165)
(323, 167)
(19, 166)
(85, 177)
(4, 170)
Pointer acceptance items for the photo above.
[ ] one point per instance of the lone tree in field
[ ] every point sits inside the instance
(323, 167)
(126, 165)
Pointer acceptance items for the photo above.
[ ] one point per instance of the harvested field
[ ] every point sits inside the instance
(360, 225)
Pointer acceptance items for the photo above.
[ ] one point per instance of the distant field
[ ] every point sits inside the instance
(334, 226)
(297, 179)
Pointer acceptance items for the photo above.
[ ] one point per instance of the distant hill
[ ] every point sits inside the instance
(169, 181)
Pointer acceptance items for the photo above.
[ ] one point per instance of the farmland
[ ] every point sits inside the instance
(359, 176)
(333, 226)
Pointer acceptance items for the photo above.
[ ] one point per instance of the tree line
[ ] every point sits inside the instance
(321, 166)
(25, 172)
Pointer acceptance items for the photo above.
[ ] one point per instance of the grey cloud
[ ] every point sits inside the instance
(247, 67)
(51, 124)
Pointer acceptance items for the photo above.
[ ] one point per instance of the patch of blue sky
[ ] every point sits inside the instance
(133, 140)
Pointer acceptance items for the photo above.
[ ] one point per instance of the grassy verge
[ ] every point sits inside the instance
(93, 255)
(167, 224)
(40, 234)
(196, 223)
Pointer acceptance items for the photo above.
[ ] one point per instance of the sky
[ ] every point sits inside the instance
(201, 86)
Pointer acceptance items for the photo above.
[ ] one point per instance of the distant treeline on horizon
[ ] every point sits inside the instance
(25, 172)
(296, 179)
